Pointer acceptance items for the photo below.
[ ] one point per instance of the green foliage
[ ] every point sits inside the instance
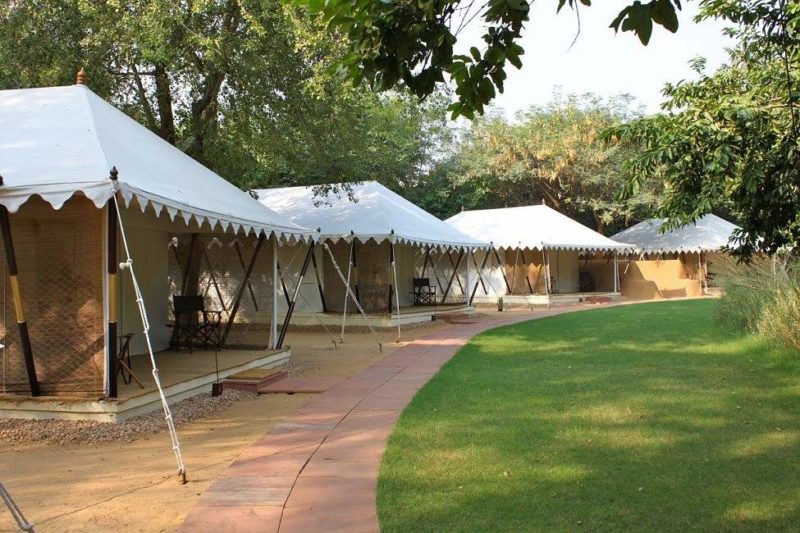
(644, 417)
(732, 138)
(244, 86)
(400, 42)
(762, 296)
(552, 153)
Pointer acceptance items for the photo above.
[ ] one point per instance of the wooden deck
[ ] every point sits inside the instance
(182, 374)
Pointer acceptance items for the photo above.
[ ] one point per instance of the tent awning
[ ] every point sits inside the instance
(533, 227)
(708, 234)
(61, 141)
(369, 211)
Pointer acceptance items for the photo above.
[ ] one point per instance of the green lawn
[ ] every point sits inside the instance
(642, 417)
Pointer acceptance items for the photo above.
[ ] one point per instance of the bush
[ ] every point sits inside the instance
(762, 297)
(747, 289)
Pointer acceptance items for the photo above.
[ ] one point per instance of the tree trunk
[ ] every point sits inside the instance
(166, 115)
(601, 227)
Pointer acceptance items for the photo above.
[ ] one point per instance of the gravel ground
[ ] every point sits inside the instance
(59, 432)
(298, 368)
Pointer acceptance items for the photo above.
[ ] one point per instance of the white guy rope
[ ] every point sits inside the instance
(396, 289)
(353, 296)
(128, 265)
(349, 269)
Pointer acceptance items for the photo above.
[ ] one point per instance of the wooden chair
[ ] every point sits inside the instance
(194, 324)
(124, 360)
(424, 293)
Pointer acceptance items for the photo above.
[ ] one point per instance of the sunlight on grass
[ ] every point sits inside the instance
(646, 417)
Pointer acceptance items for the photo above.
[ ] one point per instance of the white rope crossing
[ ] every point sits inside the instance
(353, 296)
(128, 265)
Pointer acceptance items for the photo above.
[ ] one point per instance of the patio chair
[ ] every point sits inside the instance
(194, 324)
(424, 293)
(124, 360)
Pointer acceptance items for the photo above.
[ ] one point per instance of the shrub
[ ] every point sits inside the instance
(747, 289)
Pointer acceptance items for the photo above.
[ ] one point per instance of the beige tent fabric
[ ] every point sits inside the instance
(654, 277)
(59, 258)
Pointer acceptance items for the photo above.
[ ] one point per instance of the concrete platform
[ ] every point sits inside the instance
(408, 315)
(182, 374)
(569, 298)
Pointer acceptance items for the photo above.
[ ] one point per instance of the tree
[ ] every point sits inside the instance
(409, 43)
(244, 86)
(551, 153)
(732, 137)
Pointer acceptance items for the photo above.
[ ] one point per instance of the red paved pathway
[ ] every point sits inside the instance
(318, 469)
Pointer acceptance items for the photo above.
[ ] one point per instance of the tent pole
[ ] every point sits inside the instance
(514, 271)
(546, 266)
(479, 270)
(480, 278)
(502, 267)
(455, 271)
(616, 273)
(458, 279)
(396, 292)
(24, 336)
(319, 282)
(241, 262)
(525, 264)
(425, 262)
(346, 296)
(216, 286)
(297, 287)
(283, 283)
(111, 287)
(273, 321)
(261, 237)
(186, 267)
(355, 270)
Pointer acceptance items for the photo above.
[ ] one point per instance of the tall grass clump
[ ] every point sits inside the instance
(762, 296)
(747, 289)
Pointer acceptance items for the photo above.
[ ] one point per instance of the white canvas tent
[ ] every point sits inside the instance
(381, 237)
(708, 234)
(541, 242)
(675, 262)
(66, 156)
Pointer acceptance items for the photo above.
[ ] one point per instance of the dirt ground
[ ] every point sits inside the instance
(133, 486)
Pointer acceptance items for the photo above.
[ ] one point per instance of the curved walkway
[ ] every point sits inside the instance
(318, 469)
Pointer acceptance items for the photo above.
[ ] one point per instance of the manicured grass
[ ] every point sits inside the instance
(644, 417)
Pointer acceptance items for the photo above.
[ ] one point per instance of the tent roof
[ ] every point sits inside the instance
(533, 227)
(708, 234)
(60, 141)
(377, 213)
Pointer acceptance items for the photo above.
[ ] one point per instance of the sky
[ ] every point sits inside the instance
(600, 61)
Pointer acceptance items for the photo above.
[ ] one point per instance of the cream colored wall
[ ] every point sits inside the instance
(655, 278)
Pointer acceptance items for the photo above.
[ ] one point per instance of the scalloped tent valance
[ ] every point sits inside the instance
(708, 234)
(532, 227)
(374, 213)
(61, 141)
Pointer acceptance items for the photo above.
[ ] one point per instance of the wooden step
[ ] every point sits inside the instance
(457, 318)
(253, 379)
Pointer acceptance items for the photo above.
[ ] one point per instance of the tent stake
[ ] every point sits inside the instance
(261, 237)
(297, 287)
(24, 336)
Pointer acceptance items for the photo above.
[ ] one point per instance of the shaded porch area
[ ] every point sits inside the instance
(411, 314)
(183, 374)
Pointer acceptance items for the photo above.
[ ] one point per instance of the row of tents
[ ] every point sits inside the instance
(104, 224)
